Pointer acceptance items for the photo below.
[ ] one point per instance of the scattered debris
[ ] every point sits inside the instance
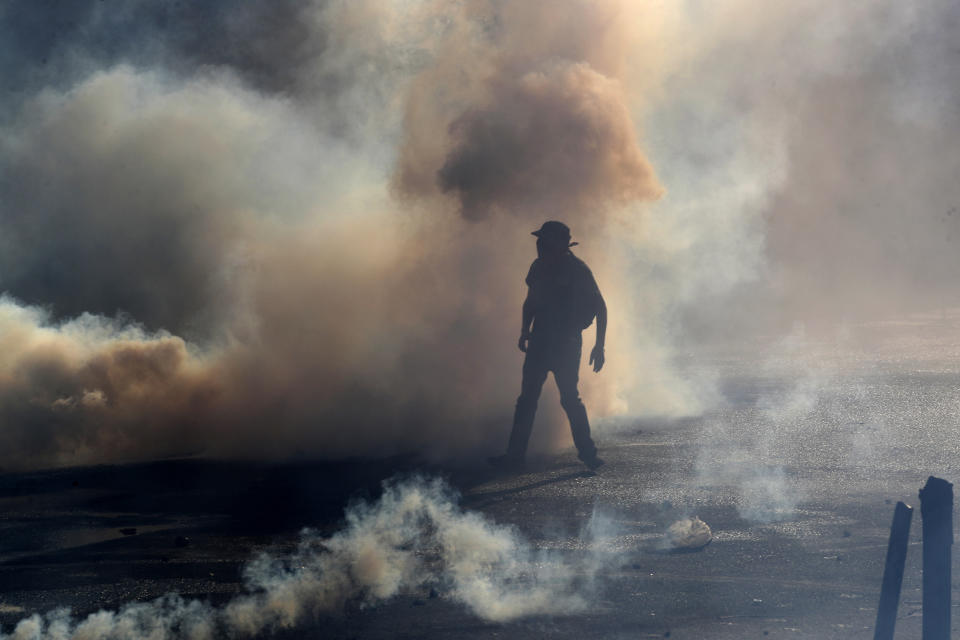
(129, 531)
(688, 534)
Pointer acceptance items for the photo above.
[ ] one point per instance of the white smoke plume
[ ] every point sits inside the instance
(414, 536)
(802, 148)
(757, 446)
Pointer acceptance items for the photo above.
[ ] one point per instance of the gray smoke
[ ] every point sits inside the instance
(413, 537)
(805, 149)
(313, 218)
(804, 153)
(135, 179)
(191, 250)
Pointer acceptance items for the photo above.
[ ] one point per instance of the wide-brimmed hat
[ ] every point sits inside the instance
(555, 231)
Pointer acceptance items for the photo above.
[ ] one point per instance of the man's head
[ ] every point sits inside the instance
(553, 237)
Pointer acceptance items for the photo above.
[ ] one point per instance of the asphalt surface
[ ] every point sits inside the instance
(796, 471)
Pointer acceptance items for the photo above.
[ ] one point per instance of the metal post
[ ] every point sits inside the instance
(893, 572)
(936, 507)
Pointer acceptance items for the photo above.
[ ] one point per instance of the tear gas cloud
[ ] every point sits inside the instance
(760, 466)
(303, 227)
(805, 151)
(413, 538)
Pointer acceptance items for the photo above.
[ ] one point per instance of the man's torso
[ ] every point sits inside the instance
(564, 295)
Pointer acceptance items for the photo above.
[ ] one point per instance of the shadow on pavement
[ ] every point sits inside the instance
(482, 499)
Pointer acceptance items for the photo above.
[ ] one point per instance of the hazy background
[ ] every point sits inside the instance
(278, 228)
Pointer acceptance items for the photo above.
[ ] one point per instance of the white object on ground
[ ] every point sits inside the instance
(688, 533)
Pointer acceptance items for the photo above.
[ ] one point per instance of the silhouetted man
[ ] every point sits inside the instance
(562, 301)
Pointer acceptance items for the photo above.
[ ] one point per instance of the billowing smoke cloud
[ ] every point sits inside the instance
(533, 121)
(74, 390)
(310, 220)
(559, 142)
(414, 537)
(119, 198)
(200, 250)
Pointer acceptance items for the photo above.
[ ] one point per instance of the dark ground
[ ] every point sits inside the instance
(797, 475)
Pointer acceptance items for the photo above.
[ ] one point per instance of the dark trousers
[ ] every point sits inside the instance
(560, 354)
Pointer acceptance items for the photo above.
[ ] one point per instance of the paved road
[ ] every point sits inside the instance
(797, 472)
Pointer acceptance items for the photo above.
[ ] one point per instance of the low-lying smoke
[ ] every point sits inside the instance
(414, 537)
(759, 460)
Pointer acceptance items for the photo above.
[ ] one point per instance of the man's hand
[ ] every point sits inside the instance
(524, 338)
(596, 357)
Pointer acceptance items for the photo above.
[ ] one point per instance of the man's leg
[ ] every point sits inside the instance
(534, 375)
(567, 375)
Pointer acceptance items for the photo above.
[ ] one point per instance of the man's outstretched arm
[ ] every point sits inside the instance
(527, 321)
(596, 356)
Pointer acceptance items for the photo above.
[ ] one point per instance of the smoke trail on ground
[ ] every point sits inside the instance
(413, 537)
